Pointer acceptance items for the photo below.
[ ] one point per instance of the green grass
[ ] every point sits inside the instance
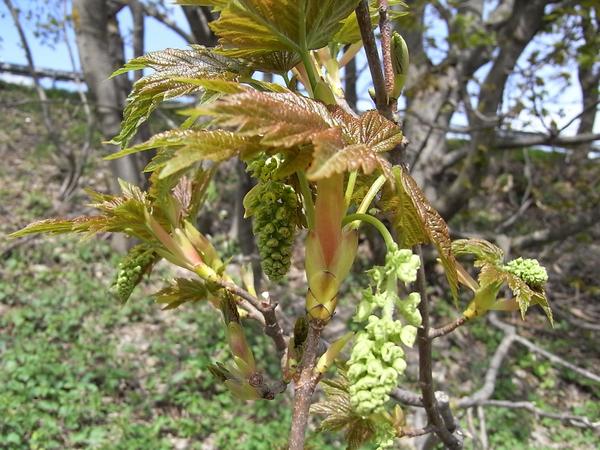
(78, 370)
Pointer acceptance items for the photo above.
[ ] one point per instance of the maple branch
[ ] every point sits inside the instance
(430, 402)
(368, 37)
(578, 421)
(266, 309)
(448, 328)
(416, 432)
(406, 397)
(386, 46)
(305, 387)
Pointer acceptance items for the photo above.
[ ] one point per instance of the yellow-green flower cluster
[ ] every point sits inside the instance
(274, 206)
(377, 358)
(130, 271)
(529, 270)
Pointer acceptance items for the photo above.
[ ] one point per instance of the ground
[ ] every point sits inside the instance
(80, 370)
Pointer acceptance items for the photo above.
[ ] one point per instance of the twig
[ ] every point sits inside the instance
(416, 432)
(446, 329)
(386, 46)
(578, 421)
(489, 384)
(406, 397)
(483, 437)
(425, 367)
(267, 309)
(368, 37)
(305, 387)
(535, 348)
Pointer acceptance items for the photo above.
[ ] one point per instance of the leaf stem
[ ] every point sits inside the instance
(373, 190)
(309, 206)
(387, 237)
(350, 188)
(308, 66)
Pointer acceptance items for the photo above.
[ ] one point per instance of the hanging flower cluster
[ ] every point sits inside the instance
(273, 205)
(377, 357)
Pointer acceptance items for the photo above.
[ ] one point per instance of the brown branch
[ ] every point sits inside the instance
(305, 387)
(577, 224)
(446, 329)
(416, 432)
(489, 384)
(368, 37)
(425, 366)
(386, 46)
(579, 421)
(58, 75)
(152, 11)
(406, 397)
(267, 309)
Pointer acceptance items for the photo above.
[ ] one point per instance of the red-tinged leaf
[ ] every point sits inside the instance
(171, 66)
(284, 120)
(416, 221)
(256, 29)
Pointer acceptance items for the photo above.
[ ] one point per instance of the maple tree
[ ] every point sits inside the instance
(321, 170)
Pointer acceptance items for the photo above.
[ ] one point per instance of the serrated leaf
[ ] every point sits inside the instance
(425, 225)
(284, 120)
(368, 136)
(193, 146)
(523, 294)
(60, 225)
(181, 290)
(482, 250)
(294, 161)
(259, 28)
(171, 66)
(339, 415)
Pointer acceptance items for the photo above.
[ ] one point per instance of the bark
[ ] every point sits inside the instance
(94, 29)
(198, 19)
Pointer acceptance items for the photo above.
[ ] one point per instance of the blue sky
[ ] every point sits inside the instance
(159, 37)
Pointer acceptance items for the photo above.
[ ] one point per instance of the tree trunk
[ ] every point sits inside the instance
(92, 27)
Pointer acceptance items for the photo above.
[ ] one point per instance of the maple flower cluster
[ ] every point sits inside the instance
(377, 358)
(274, 205)
(130, 271)
(529, 270)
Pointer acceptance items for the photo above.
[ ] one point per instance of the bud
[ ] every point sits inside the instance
(400, 61)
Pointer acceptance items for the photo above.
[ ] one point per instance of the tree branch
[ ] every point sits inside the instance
(425, 367)
(368, 37)
(447, 329)
(267, 309)
(578, 421)
(305, 387)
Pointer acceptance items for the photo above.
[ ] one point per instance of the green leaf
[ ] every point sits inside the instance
(192, 146)
(59, 226)
(327, 359)
(171, 66)
(339, 414)
(349, 32)
(483, 251)
(181, 290)
(416, 221)
(260, 28)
